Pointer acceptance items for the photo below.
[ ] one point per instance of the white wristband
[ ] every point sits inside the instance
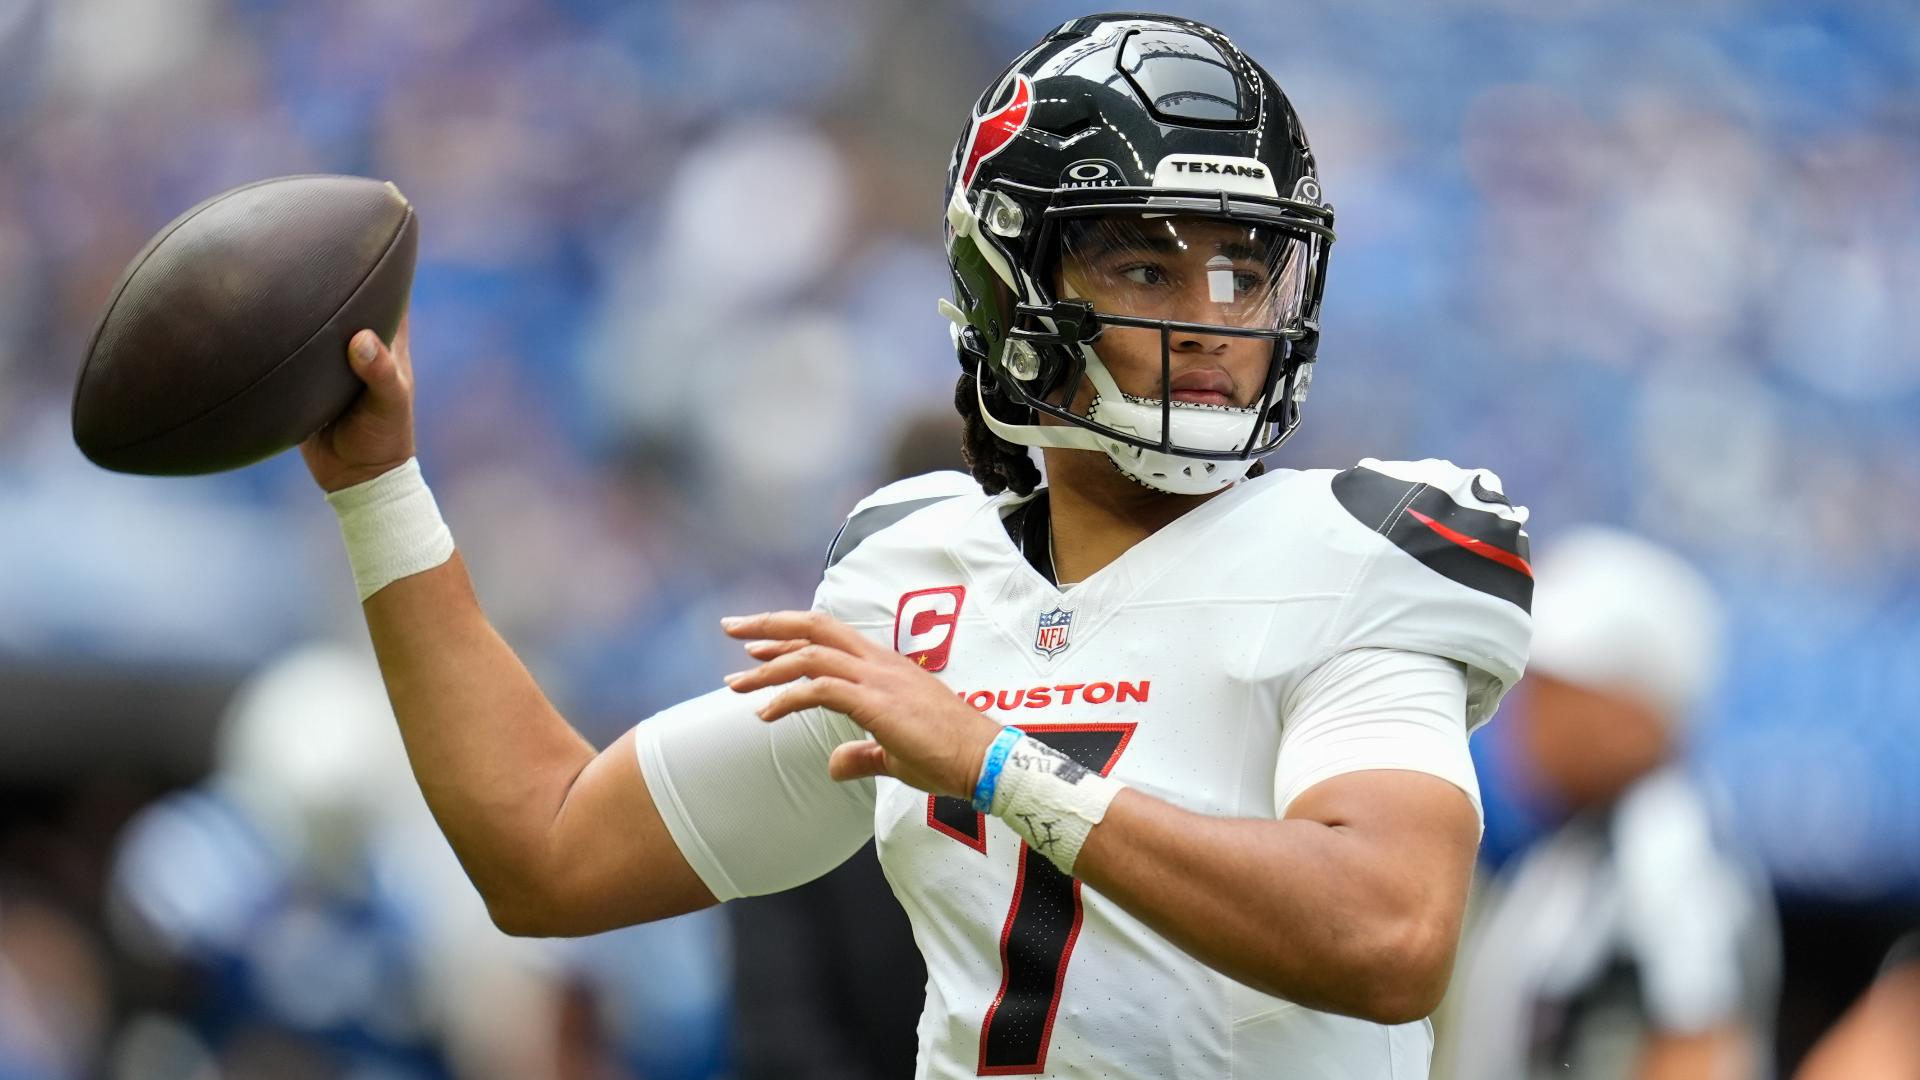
(1051, 801)
(392, 527)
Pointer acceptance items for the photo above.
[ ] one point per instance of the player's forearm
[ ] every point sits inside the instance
(493, 757)
(1316, 914)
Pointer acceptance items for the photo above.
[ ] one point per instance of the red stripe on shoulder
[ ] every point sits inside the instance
(1478, 547)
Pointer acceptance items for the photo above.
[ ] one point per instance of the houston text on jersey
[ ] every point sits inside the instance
(1041, 697)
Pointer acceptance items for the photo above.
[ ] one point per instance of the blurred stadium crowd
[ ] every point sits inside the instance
(674, 314)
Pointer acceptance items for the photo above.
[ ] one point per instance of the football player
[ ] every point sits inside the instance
(1166, 758)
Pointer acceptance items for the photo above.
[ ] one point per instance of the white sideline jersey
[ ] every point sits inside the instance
(1296, 627)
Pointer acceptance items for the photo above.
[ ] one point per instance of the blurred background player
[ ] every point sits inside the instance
(303, 913)
(1628, 941)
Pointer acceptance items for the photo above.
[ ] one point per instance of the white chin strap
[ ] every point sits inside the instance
(1203, 427)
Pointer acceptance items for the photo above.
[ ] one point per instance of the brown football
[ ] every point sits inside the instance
(225, 341)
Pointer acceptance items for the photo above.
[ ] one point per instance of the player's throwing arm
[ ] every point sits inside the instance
(558, 840)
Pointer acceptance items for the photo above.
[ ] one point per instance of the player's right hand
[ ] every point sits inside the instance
(375, 434)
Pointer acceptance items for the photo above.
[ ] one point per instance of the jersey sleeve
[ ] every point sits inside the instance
(1447, 574)
(750, 803)
(1375, 709)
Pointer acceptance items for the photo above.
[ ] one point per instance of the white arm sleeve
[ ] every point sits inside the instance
(1376, 709)
(749, 803)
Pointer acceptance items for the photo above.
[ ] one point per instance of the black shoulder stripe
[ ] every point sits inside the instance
(1478, 549)
(871, 520)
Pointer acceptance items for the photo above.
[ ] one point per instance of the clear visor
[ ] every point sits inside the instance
(1187, 269)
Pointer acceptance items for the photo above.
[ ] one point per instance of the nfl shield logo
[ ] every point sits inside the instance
(1052, 635)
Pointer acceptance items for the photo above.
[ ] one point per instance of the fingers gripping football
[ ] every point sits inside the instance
(923, 735)
(376, 433)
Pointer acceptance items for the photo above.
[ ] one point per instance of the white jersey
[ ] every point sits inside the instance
(1299, 626)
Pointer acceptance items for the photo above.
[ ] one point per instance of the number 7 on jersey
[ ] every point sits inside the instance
(1043, 920)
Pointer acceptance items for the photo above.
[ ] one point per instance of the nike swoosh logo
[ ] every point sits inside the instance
(1488, 495)
(1479, 547)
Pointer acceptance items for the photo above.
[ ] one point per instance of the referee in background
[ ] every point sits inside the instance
(1628, 942)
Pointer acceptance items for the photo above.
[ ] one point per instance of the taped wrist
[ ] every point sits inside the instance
(1052, 801)
(392, 527)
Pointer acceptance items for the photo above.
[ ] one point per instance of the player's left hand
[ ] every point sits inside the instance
(922, 734)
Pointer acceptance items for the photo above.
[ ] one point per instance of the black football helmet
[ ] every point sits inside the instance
(1135, 174)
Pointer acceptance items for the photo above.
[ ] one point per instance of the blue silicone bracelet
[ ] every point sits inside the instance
(990, 769)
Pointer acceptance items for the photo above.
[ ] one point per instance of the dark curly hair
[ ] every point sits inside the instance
(995, 462)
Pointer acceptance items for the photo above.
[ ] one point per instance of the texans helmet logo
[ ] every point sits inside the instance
(992, 133)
